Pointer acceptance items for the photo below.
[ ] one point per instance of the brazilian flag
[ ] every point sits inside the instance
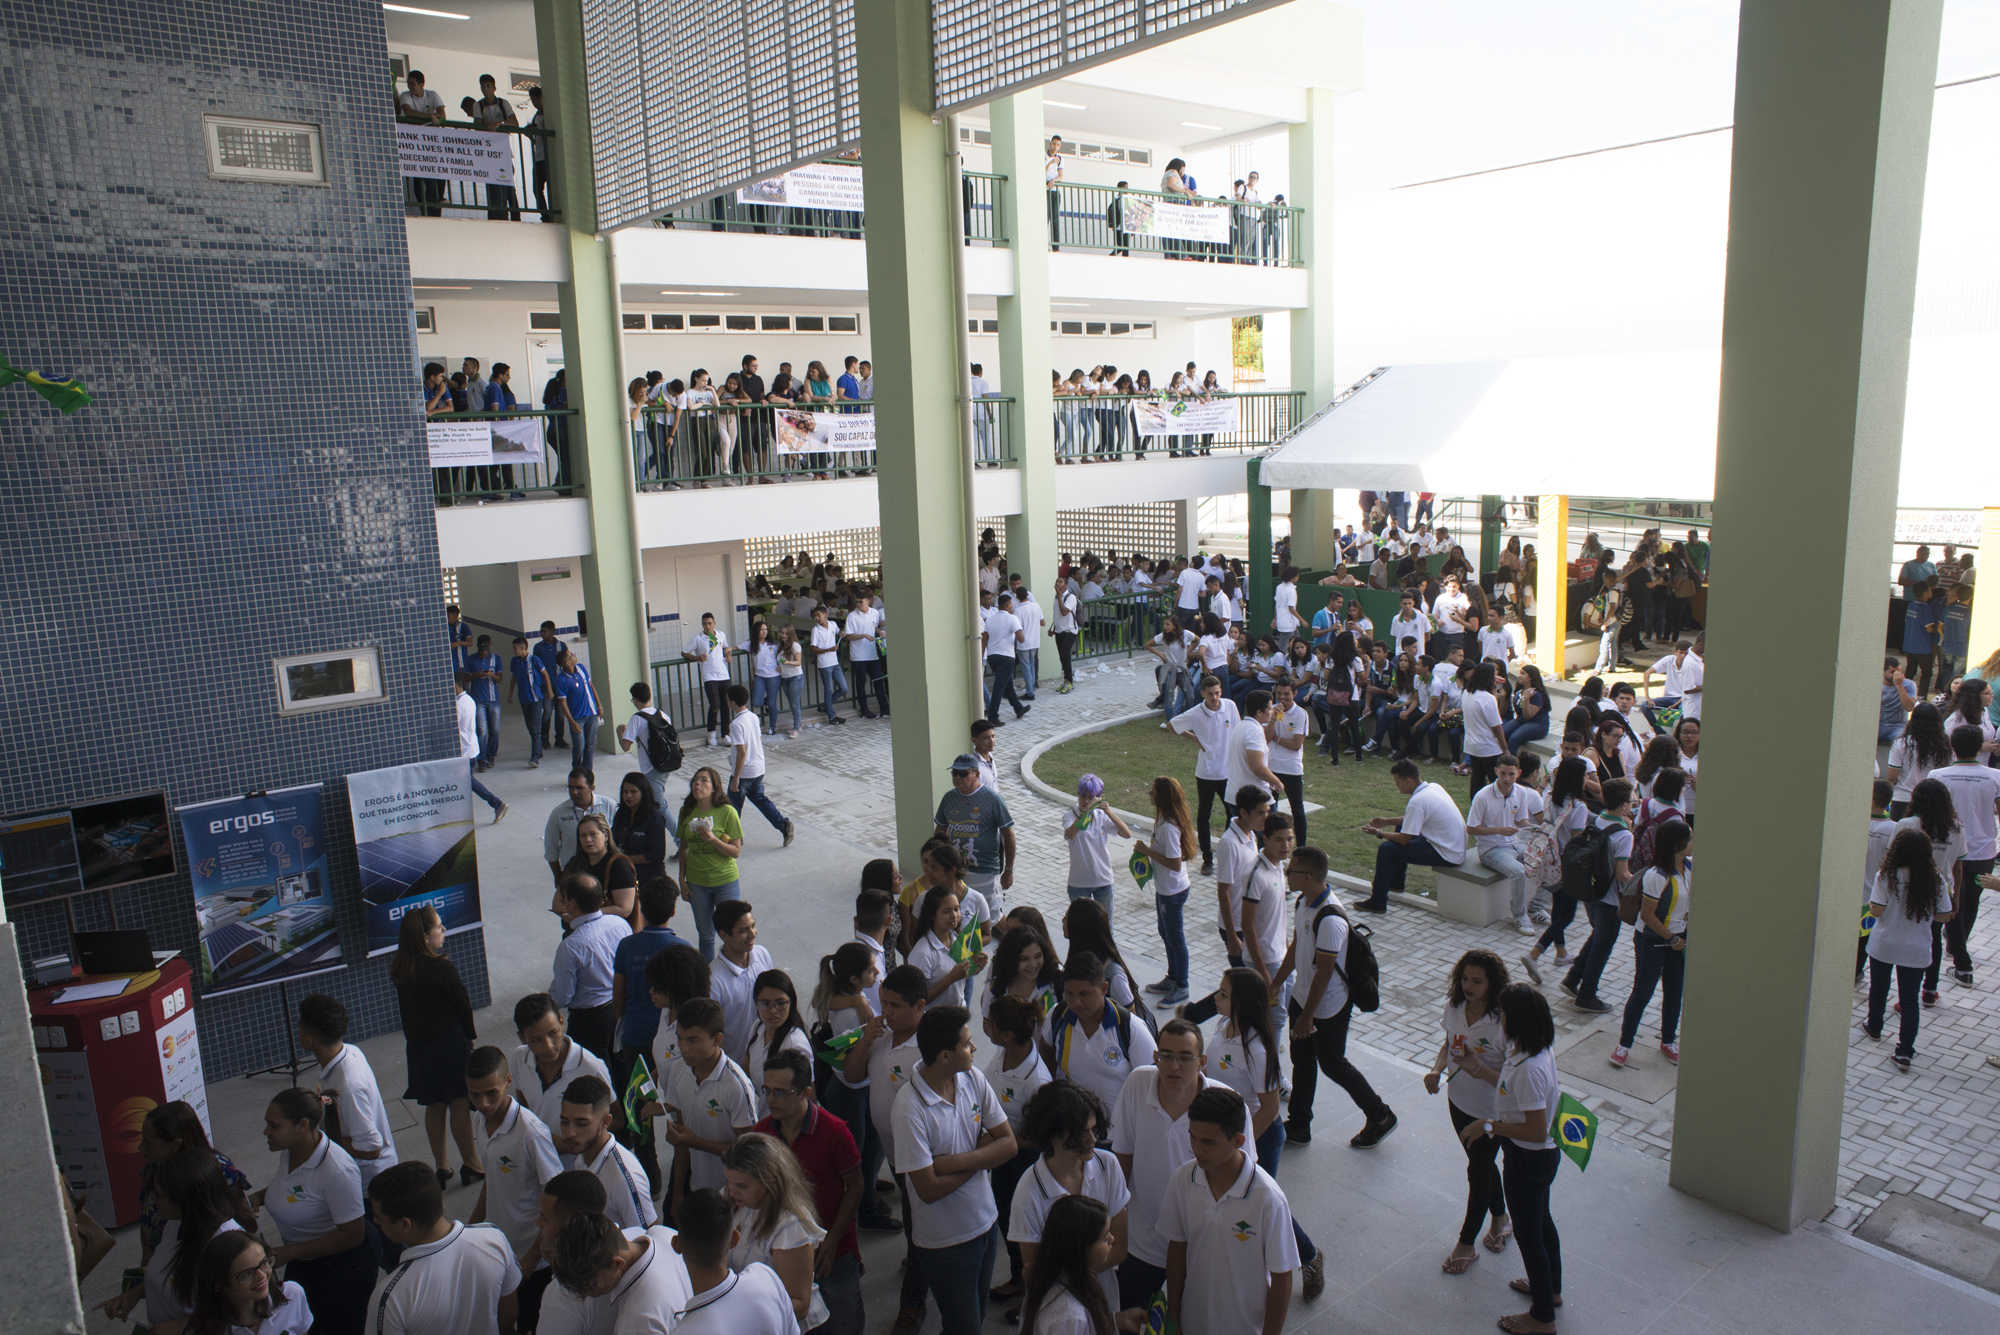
(968, 942)
(1867, 919)
(1576, 1130)
(639, 1091)
(834, 1052)
(1157, 1321)
(68, 395)
(1141, 867)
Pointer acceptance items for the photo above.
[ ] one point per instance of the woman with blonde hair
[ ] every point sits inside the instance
(438, 1035)
(1167, 850)
(775, 1222)
(597, 855)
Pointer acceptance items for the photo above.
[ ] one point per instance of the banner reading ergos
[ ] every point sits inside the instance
(413, 837)
(261, 894)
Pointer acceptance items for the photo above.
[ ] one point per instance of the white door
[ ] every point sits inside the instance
(702, 586)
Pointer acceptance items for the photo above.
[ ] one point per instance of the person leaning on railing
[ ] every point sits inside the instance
(419, 105)
(493, 112)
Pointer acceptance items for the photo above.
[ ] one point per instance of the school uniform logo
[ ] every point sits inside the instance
(714, 1108)
(1006, 1093)
(1228, 1062)
(294, 1194)
(506, 1165)
(1243, 1231)
(1112, 1056)
(895, 1074)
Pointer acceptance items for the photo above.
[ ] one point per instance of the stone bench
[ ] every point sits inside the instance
(1473, 893)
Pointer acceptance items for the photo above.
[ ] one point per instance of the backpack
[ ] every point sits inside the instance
(1587, 864)
(1592, 616)
(1652, 815)
(1538, 856)
(663, 744)
(1062, 1018)
(1363, 975)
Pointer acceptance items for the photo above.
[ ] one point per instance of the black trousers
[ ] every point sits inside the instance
(528, 1312)
(542, 187)
(1295, 793)
(1482, 773)
(1960, 927)
(1202, 1011)
(592, 1027)
(337, 1288)
(1528, 1175)
(1065, 647)
(1326, 1051)
(717, 693)
(1485, 1192)
(1210, 790)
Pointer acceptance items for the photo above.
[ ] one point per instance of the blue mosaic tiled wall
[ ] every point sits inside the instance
(251, 480)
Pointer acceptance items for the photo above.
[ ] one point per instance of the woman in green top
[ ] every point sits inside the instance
(711, 838)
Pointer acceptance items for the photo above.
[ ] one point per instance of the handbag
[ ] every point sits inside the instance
(1685, 588)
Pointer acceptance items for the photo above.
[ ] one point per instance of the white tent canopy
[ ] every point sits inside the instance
(1624, 424)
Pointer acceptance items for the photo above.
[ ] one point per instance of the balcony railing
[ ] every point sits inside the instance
(736, 444)
(1105, 428)
(551, 477)
(1126, 222)
(529, 198)
(727, 213)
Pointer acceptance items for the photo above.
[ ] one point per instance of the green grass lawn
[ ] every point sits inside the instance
(1129, 757)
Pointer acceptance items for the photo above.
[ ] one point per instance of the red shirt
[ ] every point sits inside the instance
(825, 1149)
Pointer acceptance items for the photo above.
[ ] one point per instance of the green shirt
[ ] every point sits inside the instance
(705, 866)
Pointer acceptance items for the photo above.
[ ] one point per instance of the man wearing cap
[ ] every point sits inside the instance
(976, 822)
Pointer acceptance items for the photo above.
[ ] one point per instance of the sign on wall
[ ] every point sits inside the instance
(821, 186)
(824, 433)
(261, 894)
(1935, 528)
(477, 444)
(1143, 215)
(413, 837)
(1187, 417)
(439, 152)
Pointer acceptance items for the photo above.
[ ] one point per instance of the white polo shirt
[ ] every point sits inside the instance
(1692, 672)
(518, 1159)
(721, 1107)
(454, 1284)
(752, 1301)
(1235, 853)
(1287, 725)
(546, 1104)
(1015, 1085)
(1433, 814)
(1285, 608)
(1242, 1238)
(734, 988)
(927, 1125)
(1245, 736)
(826, 645)
(1103, 1181)
(1677, 674)
(1308, 941)
(1211, 728)
(1264, 885)
(628, 1195)
(1191, 582)
(891, 1065)
(1099, 1062)
(1974, 788)
(1493, 643)
(1000, 628)
(744, 732)
(1488, 807)
(865, 624)
(1399, 629)
(653, 1289)
(318, 1196)
(1482, 716)
(1484, 1040)
(1156, 1144)
(364, 1118)
(714, 655)
(1030, 616)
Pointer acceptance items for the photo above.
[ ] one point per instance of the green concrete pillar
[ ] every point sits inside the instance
(1492, 510)
(1833, 113)
(927, 547)
(1257, 612)
(593, 338)
(1024, 341)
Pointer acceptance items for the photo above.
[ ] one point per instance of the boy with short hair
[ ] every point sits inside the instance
(1090, 1039)
(450, 1276)
(753, 1299)
(484, 666)
(530, 680)
(632, 740)
(1226, 1210)
(733, 972)
(547, 1059)
(709, 1097)
(548, 651)
(886, 1058)
(630, 1279)
(516, 1152)
(583, 1134)
(348, 1082)
(747, 767)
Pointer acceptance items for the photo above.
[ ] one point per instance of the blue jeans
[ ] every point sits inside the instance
(1269, 1146)
(832, 686)
(842, 1291)
(1003, 687)
(752, 790)
(479, 791)
(1527, 730)
(583, 744)
(791, 690)
(959, 1277)
(1508, 863)
(764, 701)
(531, 714)
(1655, 961)
(1589, 964)
(702, 899)
(1167, 912)
(1031, 671)
(486, 718)
(1392, 859)
(1100, 893)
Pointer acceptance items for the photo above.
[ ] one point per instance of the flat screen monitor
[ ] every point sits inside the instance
(94, 846)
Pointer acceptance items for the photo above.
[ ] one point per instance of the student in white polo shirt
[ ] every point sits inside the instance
(885, 1058)
(546, 1307)
(583, 1134)
(1029, 614)
(316, 1205)
(1285, 737)
(348, 1081)
(752, 1301)
(1226, 1213)
(1091, 1039)
(1496, 816)
(1234, 857)
(951, 1132)
(1430, 833)
(1320, 1007)
(1209, 724)
(517, 1152)
(1246, 753)
(547, 1059)
(452, 1276)
(710, 1098)
(633, 1279)
(710, 648)
(1063, 1120)
(1285, 604)
(1150, 1139)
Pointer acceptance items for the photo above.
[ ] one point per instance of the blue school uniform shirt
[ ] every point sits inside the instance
(484, 691)
(641, 1019)
(459, 637)
(851, 387)
(527, 679)
(1957, 619)
(1917, 618)
(1325, 627)
(575, 687)
(547, 652)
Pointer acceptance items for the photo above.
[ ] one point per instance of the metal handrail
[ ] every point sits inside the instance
(737, 442)
(553, 477)
(1082, 217)
(436, 196)
(984, 201)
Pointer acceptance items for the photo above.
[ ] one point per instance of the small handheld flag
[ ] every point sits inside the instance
(968, 941)
(1157, 1321)
(1575, 1130)
(834, 1051)
(1142, 868)
(639, 1091)
(1867, 919)
(68, 395)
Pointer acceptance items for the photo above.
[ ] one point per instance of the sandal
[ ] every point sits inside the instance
(1497, 1242)
(1521, 1286)
(1514, 1325)
(1458, 1265)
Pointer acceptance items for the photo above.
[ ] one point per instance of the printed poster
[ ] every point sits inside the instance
(439, 152)
(1143, 215)
(413, 837)
(261, 893)
(462, 444)
(1187, 417)
(823, 185)
(801, 432)
(516, 441)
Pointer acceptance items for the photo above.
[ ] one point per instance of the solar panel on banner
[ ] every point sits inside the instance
(395, 868)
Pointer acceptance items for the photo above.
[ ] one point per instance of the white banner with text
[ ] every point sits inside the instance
(824, 433)
(1187, 417)
(1142, 215)
(823, 185)
(477, 444)
(441, 152)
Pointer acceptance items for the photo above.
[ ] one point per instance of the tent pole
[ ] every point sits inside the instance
(1552, 587)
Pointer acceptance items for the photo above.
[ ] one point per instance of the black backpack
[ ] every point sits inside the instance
(1587, 864)
(1363, 975)
(663, 744)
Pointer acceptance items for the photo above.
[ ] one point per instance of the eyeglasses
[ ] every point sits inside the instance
(248, 1277)
(770, 1093)
(773, 1004)
(1166, 1058)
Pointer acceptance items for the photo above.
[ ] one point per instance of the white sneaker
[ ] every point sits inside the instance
(1541, 916)
(711, 739)
(1524, 926)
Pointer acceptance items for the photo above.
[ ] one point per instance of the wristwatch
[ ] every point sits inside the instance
(1487, 1127)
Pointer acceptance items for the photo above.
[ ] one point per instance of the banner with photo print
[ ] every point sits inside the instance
(413, 837)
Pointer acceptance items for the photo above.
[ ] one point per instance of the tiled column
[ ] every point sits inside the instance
(926, 546)
(1833, 113)
(1024, 340)
(600, 446)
